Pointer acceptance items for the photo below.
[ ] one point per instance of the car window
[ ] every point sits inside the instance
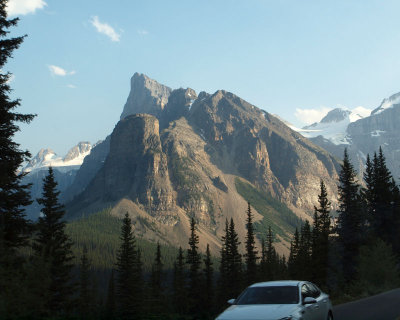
(269, 295)
(305, 291)
(315, 292)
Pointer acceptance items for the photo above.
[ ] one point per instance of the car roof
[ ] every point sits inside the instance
(277, 283)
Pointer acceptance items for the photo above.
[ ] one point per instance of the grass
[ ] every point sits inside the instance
(275, 213)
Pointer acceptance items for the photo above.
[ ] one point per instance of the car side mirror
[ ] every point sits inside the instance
(231, 301)
(309, 300)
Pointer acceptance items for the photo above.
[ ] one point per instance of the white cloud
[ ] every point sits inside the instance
(58, 71)
(22, 7)
(71, 86)
(363, 112)
(143, 32)
(105, 28)
(309, 116)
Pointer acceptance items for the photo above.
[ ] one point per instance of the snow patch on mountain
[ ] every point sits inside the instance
(387, 103)
(334, 125)
(47, 157)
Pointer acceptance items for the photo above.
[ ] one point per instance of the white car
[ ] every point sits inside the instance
(280, 300)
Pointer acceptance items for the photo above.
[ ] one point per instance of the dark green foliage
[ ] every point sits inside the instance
(110, 310)
(208, 287)
(276, 214)
(53, 245)
(350, 227)
(193, 259)
(86, 300)
(320, 238)
(157, 299)
(14, 196)
(377, 269)
(179, 284)
(251, 256)
(129, 274)
(230, 281)
(304, 262)
(293, 266)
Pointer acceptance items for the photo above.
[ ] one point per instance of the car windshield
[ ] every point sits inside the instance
(269, 295)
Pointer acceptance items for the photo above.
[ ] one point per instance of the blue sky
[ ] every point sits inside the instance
(292, 58)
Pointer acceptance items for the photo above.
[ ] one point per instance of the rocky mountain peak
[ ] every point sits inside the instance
(82, 148)
(179, 104)
(146, 96)
(336, 115)
(387, 103)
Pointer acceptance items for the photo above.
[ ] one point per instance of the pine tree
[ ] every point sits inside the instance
(208, 290)
(251, 252)
(271, 267)
(223, 279)
(53, 245)
(263, 262)
(304, 262)
(86, 292)
(293, 265)
(14, 196)
(193, 259)
(234, 262)
(351, 224)
(110, 302)
(157, 289)
(320, 240)
(129, 275)
(179, 284)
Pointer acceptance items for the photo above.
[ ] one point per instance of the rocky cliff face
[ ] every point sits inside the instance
(146, 96)
(181, 158)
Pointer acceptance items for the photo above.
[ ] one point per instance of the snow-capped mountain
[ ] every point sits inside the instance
(334, 125)
(65, 169)
(361, 133)
(47, 157)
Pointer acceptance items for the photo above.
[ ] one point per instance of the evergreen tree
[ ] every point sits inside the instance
(350, 226)
(208, 290)
(110, 302)
(179, 284)
(223, 279)
(157, 289)
(53, 245)
(304, 262)
(14, 196)
(320, 241)
(293, 267)
(129, 275)
(272, 257)
(193, 259)
(251, 252)
(263, 262)
(86, 292)
(234, 263)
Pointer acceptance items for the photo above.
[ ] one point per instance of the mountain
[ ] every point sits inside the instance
(361, 133)
(175, 155)
(65, 169)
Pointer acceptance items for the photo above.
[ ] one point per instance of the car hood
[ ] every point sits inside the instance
(258, 312)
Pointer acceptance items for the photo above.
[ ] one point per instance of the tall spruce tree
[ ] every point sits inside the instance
(223, 279)
(157, 301)
(304, 262)
(193, 259)
(53, 245)
(86, 292)
(208, 288)
(234, 262)
(110, 312)
(179, 284)
(263, 262)
(129, 273)
(271, 267)
(14, 195)
(350, 227)
(251, 255)
(293, 263)
(320, 241)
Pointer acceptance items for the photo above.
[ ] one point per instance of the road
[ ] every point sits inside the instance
(384, 306)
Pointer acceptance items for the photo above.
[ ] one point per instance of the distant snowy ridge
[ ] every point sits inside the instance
(334, 125)
(387, 103)
(47, 157)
